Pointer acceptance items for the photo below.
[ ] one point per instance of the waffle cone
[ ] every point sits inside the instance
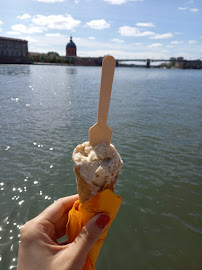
(87, 190)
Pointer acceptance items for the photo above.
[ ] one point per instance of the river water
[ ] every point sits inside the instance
(155, 115)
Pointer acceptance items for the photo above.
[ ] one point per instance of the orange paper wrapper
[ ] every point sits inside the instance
(103, 202)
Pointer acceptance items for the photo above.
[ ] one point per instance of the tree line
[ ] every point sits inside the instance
(50, 57)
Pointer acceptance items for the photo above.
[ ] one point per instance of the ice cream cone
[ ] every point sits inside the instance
(87, 189)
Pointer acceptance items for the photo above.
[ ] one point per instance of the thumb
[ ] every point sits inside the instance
(89, 235)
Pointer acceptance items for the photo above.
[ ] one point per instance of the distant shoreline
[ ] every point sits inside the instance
(80, 65)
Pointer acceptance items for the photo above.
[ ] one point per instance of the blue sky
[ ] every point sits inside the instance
(122, 28)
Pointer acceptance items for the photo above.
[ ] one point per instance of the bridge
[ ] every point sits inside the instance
(148, 61)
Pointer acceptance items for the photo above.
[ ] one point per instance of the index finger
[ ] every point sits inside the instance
(57, 210)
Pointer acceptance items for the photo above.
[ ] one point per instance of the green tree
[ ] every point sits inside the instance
(62, 59)
(42, 58)
(31, 58)
(53, 53)
(53, 59)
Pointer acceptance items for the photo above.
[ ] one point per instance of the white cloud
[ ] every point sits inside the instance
(13, 33)
(190, 9)
(162, 36)
(86, 47)
(24, 16)
(120, 2)
(192, 41)
(19, 28)
(182, 8)
(155, 45)
(133, 32)
(56, 21)
(120, 54)
(0, 27)
(28, 30)
(150, 24)
(98, 24)
(30, 39)
(170, 46)
(175, 42)
(50, 1)
(117, 40)
(91, 38)
(194, 9)
(76, 1)
(53, 35)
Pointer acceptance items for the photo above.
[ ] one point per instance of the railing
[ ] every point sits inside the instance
(156, 60)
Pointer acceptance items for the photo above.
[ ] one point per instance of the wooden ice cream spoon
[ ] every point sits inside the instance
(101, 132)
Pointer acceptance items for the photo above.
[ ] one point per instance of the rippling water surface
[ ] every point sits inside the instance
(45, 111)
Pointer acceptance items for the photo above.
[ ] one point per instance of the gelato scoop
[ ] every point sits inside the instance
(96, 168)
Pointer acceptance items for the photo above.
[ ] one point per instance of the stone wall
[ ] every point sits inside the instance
(13, 51)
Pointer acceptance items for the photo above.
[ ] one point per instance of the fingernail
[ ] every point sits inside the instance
(102, 221)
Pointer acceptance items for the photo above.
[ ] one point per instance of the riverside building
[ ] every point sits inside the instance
(13, 51)
(71, 49)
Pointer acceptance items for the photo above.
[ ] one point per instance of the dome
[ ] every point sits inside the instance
(71, 44)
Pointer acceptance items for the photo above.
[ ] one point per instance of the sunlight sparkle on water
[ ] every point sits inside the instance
(15, 99)
(15, 198)
(40, 145)
(21, 202)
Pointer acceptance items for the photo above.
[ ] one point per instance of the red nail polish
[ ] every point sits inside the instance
(102, 221)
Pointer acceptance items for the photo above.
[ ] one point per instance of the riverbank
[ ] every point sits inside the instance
(119, 65)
